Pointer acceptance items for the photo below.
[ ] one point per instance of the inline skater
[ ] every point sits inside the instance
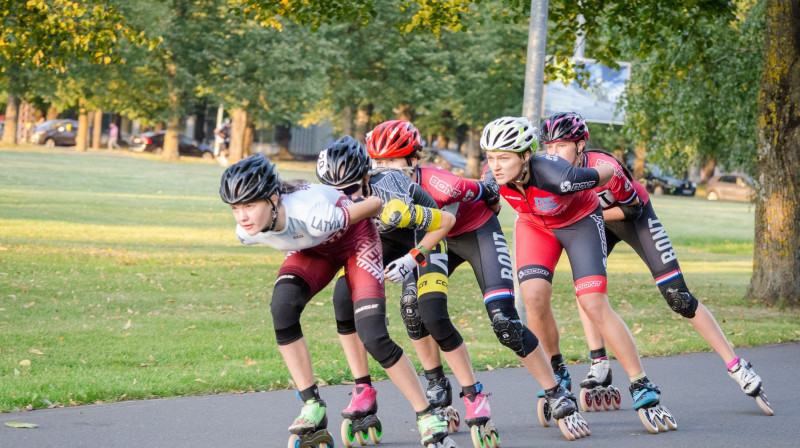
(629, 217)
(321, 230)
(477, 238)
(557, 209)
(345, 165)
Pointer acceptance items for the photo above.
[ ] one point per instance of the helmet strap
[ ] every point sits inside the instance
(274, 217)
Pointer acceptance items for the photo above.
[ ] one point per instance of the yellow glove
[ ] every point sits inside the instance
(397, 214)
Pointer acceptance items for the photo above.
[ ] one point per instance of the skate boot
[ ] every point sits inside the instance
(440, 397)
(360, 419)
(560, 405)
(750, 383)
(433, 431)
(562, 378)
(309, 428)
(479, 418)
(654, 416)
(597, 393)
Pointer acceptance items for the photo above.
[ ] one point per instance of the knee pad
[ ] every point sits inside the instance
(289, 298)
(436, 321)
(682, 302)
(375, 336)
(409, 311)
(514, 335)
(343, 307)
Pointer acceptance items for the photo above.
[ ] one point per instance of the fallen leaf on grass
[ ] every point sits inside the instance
(25, 362)
(21, 425)
(35, 351)
(127, 325)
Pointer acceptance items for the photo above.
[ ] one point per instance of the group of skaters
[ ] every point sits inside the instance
(379, 215)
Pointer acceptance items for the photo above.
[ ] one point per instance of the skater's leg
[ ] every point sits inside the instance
(536, 294)
(539, 368)
(593, 336)
(356, 354)
(428, 352)
(614, 331)
(298, 361)
(707, 327)
(461, 365)
(404, 376)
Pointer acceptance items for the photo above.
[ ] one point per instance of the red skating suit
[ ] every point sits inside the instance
(459, 196)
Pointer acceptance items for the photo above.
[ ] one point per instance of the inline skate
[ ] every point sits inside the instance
(440, 397)
(309, 429)
(750, 383)
(654, 416)
(560, 405)
(564, 380)
(478, 417)
(597, 393)
(360, 419)
(433, 431)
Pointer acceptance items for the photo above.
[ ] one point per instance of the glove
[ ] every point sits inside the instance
(491, 193)
(400, 269)
(397, 214)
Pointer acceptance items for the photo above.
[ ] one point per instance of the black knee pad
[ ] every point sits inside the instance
(682, 302)
(409, 311)
(375, 336)
(289, 298)
(508, 328)
(433, 309)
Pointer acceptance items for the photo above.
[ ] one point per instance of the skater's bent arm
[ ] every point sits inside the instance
(432, 237)
(367, 208)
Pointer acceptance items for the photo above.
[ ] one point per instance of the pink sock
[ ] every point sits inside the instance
(733, 363)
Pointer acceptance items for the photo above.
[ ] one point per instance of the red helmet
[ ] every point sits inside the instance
(395, 138)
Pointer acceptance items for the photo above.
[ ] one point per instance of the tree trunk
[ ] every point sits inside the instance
(238, 126)
(97, 129)
(283, 134)
(707, 171)
(10, 129)
(170, 150)
(362, 122)
(347, 121)
(776, 259)
(83, 126)
(249, 138)
(473, 153)
(52, 113)
(405, 112)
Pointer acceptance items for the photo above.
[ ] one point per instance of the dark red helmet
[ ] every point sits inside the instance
(563, 126)
(396, 138)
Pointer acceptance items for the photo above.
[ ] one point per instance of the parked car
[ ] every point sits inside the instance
(730, 187)
(656, 182)
(453, 161)
(60, 132)
(154, 142)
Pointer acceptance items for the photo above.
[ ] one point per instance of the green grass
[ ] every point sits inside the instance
(121, 278)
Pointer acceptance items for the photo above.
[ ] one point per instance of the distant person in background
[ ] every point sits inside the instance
(113, 137)
(224, 133)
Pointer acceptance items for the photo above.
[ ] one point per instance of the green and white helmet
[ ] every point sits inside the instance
(515, 134)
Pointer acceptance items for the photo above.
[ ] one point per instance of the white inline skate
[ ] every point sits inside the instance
(597, 393)
(750, 383)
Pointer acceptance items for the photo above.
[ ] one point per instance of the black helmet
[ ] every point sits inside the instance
(249, 180)
(342, 163)
(563, 126)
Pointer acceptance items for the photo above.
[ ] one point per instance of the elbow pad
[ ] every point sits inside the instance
(490, 193)
(397, 214)
(631, 212)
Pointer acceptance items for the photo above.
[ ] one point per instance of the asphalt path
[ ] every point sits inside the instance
(710, 409)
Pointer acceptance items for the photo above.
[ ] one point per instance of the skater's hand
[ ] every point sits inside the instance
(397, 213)
(400, 269)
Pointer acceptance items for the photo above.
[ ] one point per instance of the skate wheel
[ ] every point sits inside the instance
(569, 429)
(361, 436)
(348, 438)
(647, 421)
(477, 436)
(763, 403)
(494, 438)
(453, 419)
(597, 400)
(294, 441)
(615, 397)
(376, 433)
(605, 399)
(586, 400)
(543, 411)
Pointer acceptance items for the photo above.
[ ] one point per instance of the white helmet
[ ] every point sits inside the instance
(515, 134)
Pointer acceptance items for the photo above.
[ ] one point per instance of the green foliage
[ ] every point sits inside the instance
(695, 98)
(121, 278)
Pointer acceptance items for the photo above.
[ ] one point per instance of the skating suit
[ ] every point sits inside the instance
(556, 210)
